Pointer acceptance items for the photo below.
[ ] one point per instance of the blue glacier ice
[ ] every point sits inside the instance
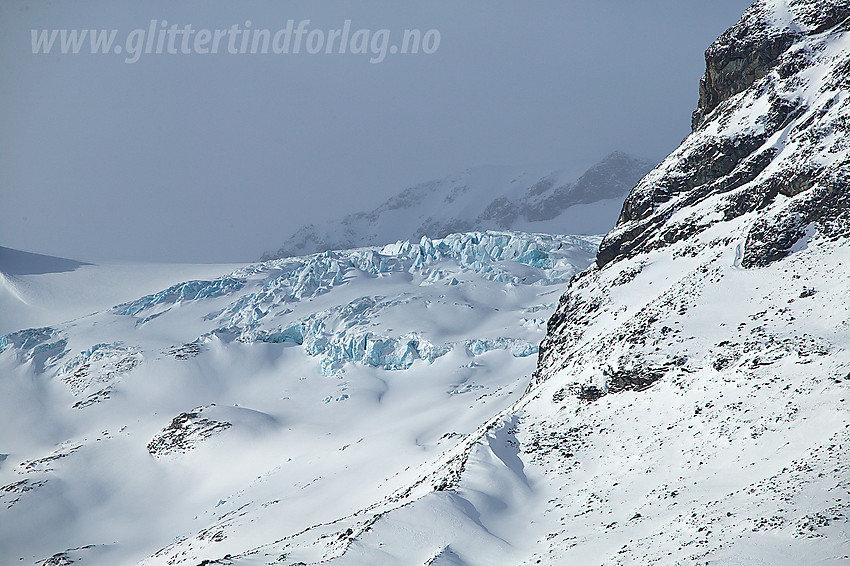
(188, 291)
(257, 299)
(43, 346)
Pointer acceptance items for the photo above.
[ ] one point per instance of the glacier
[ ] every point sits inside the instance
(340, 335)
(293, 378)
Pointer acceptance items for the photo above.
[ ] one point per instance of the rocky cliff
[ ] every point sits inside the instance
(768, 152)
(770, 136)
(704, 361)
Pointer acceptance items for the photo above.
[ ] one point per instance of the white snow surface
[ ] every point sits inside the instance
(376, 407)
(39, 290)
(737, 454)
(266, 411)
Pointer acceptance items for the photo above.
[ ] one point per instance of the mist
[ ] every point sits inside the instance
(219, 157)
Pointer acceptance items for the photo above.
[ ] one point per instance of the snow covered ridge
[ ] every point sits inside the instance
(767, 167)
(262, 396)
(576, 200)
(692, 399)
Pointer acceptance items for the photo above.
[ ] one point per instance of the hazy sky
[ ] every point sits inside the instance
(218, 157)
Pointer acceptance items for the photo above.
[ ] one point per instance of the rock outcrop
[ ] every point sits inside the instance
(712, 332)
(770, 136)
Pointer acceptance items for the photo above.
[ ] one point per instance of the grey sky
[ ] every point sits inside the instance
(220, 157)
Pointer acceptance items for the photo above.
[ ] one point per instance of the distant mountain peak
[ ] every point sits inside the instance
(484, 198)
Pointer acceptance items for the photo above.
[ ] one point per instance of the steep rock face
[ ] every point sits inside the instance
(769, 158)
(751, 48)
(713, 330)
(742, 55)
(771, 132)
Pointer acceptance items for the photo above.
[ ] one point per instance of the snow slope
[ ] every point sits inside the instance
(40, 290)
(576, 200)
(700, 369)
(256, 412)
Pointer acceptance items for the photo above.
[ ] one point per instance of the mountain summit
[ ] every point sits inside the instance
(484, 198)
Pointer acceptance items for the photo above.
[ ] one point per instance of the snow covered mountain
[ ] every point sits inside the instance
(414, 403)
(698, 374)
(567, 201)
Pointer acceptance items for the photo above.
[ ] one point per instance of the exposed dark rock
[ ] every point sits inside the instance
(65, 558)
(825, 208)
(94, 398)
(11, 493)
(185, 431)
(44, 464)
(185, 351)
(587, 393)
(738, 58)
(58, 559)
(763, 62)
(631, 379)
